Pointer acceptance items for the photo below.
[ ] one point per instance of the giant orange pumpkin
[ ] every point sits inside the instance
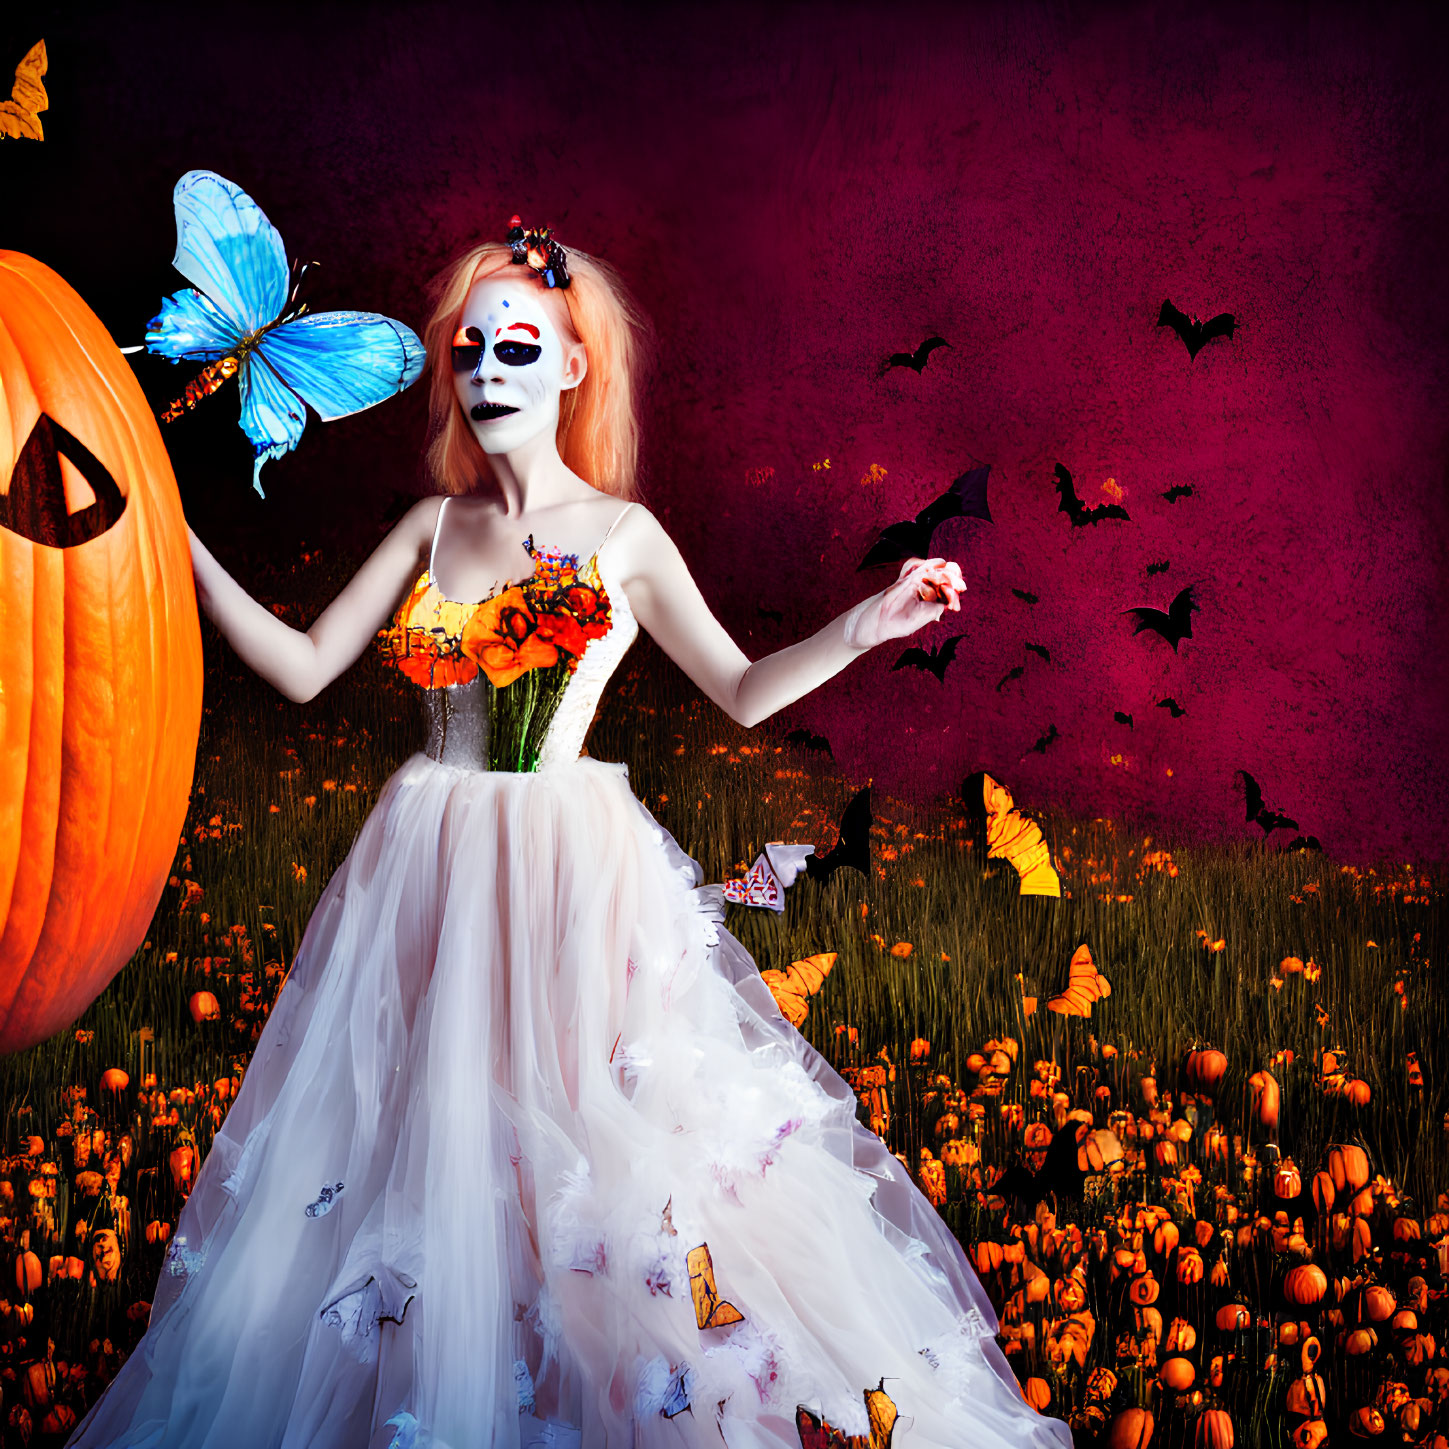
(100, 657)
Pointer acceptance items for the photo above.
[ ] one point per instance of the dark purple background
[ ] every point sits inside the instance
(795, 192)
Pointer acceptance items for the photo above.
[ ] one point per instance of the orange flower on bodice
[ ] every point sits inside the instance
(545, 621)
(507, 636)
(590, 608)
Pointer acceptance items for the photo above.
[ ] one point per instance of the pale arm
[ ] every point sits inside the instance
(300, 665)
(668, 605)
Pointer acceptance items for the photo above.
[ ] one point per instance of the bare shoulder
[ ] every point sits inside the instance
(635, 545)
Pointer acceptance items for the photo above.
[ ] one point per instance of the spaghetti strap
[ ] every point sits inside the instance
(438, 523)
(613, 525)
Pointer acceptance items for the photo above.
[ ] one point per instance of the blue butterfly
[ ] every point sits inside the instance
(242, 322)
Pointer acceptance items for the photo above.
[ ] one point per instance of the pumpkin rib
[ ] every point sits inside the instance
(115, 705)
(36, 864)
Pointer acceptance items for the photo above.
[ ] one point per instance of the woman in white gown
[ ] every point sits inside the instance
(522, 1095)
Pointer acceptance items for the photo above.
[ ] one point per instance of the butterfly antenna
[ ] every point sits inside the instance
(297, 285)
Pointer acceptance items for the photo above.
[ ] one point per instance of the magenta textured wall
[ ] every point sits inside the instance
(796, 192)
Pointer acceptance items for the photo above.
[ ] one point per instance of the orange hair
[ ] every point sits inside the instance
(598, 427)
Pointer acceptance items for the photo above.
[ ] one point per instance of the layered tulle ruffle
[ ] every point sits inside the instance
(518, 1074)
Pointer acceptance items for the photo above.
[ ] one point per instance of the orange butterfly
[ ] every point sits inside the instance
(817, 1433)
(710, 1310)
(793, 988)
(1085, 984)
(20, 115)
(1010, 836)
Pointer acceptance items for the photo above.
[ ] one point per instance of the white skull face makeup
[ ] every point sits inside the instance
(511, 364)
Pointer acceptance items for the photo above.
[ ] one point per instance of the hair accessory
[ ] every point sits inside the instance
(540, 251)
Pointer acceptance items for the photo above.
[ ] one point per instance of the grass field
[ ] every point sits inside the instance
(1159, 1283)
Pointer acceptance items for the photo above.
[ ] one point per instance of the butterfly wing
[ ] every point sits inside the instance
(339, 362)
(710, 1310)
(792, 1003)
(1085, 985)
(272, 415)
(20, 115)
(191, 328)
(1019, 841)
(227, 249)
(342, 362)
(883, 1415)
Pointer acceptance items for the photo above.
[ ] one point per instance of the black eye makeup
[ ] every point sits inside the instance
(517, 354)
(467, 349)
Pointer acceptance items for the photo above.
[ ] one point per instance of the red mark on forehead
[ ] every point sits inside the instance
(516, 327)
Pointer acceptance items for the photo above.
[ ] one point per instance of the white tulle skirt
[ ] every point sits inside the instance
(435, 1216)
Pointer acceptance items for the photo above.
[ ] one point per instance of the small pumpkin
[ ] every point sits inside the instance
(1205, 1069)
(1131, 1429)
(1348, 1166)
(1305, 1285)
(1214, 1430)
(1177, 1373)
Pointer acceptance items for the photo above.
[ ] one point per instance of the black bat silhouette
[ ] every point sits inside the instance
(1270, 820)
(936, 660)
(1022, 594)
(965, 498)
(1041, 745)
(1195, 335)
(1078, 511)
(1175, 624)
(1170, 703)
(1121, 718)
(1157, 568)
(916, 359)
(807, 741)
(1300, 842)
(853, 847)
(1042, 650)
(1010, 675)
(1178, 490)
(765, 613)
(1060, 1177)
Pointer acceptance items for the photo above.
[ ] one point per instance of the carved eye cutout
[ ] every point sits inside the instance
(35, 507)
(517, 354)
(467, 349)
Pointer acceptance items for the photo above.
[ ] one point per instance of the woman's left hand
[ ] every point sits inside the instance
(922, 593)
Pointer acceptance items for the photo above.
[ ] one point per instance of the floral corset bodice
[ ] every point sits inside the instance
(513, 681)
